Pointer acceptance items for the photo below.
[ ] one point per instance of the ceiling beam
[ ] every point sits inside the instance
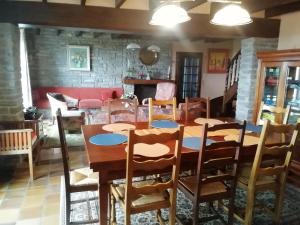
(83, 2)
(284, 9)
(119, 3)
(127, 21)
(191, 5)
(258, 5)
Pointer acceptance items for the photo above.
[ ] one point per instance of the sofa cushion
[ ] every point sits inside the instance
(90, 104)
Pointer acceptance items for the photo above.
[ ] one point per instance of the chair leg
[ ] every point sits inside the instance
(249, 206)
(30, 162)
(230, 211)
(159, 217)
(68, 208)
(195, 216)
(278, 204)
(127, 216)
(112, 210)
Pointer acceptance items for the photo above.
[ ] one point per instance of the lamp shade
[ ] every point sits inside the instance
(133, 46)
(154, 48)
(169, 15)
(231, 15)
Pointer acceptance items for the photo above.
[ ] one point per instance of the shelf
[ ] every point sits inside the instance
(145, 82)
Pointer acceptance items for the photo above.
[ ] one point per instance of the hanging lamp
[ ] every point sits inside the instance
(231, 14)
(169, 14)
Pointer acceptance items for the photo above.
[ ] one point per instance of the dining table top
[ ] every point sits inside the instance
(108, 158)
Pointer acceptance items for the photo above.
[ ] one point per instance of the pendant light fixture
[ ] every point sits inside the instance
(169, 14)
(231, 15)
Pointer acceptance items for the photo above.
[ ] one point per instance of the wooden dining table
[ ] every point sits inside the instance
(110, 161)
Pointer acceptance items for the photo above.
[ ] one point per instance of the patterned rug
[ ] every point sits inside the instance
(52, 137)
(290, 213)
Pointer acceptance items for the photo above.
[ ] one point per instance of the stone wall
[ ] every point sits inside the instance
(247, 74)
(109, 59)
(11, 107)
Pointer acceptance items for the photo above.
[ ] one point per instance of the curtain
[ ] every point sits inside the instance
(25, 78)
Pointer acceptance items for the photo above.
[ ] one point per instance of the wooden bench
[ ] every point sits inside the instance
(20, 137)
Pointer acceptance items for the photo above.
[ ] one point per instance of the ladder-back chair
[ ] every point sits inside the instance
(149, 195)
(216, 176)
(269, 169)
(196, 107)
(78, 180)
(158, 104)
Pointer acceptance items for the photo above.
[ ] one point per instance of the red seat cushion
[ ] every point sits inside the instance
(90, 104)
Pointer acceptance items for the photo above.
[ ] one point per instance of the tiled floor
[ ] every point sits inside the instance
(33, 203)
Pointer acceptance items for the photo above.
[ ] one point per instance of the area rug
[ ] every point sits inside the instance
(290, 212)
(51, 139)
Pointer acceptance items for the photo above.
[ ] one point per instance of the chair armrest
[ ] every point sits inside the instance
(145, 101)
(71, 102)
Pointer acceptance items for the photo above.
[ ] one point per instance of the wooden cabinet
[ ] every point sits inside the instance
(278, 84)
(278, 81)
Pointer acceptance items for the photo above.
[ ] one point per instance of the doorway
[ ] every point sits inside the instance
(188, 75)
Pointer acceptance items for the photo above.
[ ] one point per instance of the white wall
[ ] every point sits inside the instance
(289, 36)
(212, 85)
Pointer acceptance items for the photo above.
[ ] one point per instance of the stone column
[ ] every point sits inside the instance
(247, 74)
(11, 107)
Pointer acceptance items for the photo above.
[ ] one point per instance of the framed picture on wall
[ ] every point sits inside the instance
(217, 60)
(79, 57)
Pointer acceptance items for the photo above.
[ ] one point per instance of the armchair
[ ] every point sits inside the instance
(164, 91)
(63, 102)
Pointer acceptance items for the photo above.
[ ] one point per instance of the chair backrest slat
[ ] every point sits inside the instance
(217, 178)
(219, 162)
(150, 189)
(157, 164)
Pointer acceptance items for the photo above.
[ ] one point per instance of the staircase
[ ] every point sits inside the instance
(230, 93)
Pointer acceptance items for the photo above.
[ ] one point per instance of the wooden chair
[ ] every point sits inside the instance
(78, 180)
(20, 138)
(196, 107)
(216, 175)
(161, 103)
(137, 197)
(294, 172)
(275, 114)
(269, 169)
(122, 109)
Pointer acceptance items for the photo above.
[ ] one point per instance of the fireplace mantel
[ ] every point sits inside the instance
(142, 88)
(144, 82)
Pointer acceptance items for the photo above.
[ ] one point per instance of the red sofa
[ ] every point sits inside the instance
(88, 97)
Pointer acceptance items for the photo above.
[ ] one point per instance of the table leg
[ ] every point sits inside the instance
(103, 202)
